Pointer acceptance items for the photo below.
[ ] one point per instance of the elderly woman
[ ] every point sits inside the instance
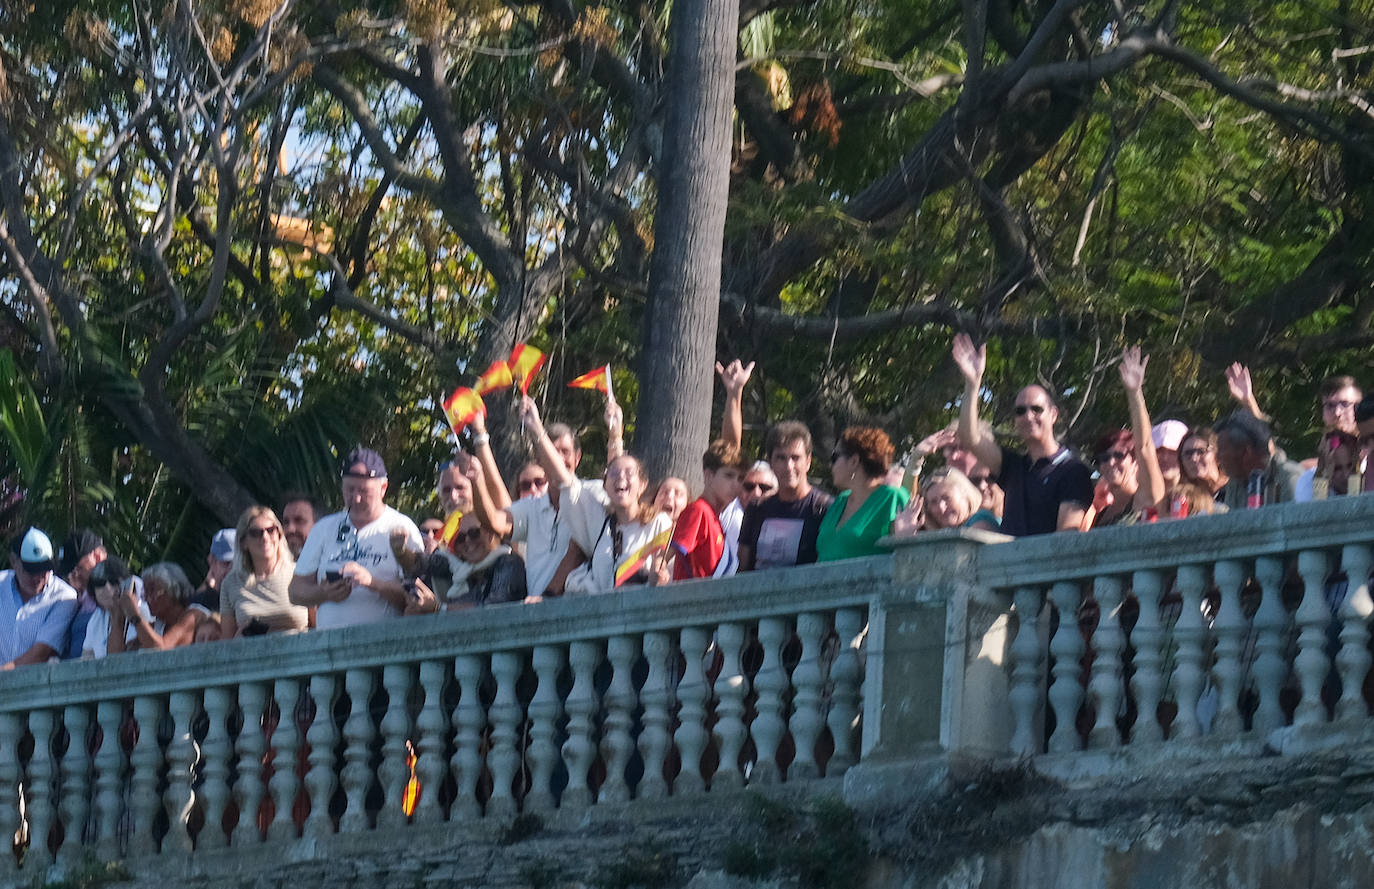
(865, 510)
(167, 593)
(254, 597)
(485, 571)
(1123, 497)
(951, 500)
(108, 632)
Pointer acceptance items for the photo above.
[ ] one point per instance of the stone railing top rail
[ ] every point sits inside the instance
(408, 640)
(1242, 534)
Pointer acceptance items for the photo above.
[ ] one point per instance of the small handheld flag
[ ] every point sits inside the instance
(599, 379)
(525, 362)
(637, 559)
(450, 529)
(497, 377)
(461, 407)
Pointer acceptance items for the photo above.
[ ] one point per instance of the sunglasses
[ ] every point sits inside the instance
(1110, 456)
(761, 487)
(529, 484)
(259, 533)
(1196, 453)
(433, 531)
(837, 455)
(980, 481)
(1023, 409)
(471, 535)
(1336, 405)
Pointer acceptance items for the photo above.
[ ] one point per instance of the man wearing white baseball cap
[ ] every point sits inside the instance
(36, 608)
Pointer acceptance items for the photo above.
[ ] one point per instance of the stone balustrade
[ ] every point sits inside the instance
(509, 709)
(956, 644)
(1225, 627)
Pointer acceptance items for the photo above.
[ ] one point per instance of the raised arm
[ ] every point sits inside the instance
(733, 377)
(1150, 490)
(1243, 390)
(972, 361)
(481, 447)
(544, 450)
(493, 517)
(615, 430)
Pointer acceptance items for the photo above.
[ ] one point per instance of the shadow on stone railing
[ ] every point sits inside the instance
(509, 709)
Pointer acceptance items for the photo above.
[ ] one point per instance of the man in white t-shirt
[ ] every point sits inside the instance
(347, 567)
(36, 608)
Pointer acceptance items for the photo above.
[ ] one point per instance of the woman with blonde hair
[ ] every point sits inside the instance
(254, 597)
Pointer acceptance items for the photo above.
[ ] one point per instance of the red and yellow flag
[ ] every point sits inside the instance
(599, 379)
(525, 362)
(498, 376)
(461, 407)
(630, 567)
(450, 529)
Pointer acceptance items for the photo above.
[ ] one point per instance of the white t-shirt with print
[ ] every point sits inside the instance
(334, 542)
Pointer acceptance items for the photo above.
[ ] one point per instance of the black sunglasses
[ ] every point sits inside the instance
(1022, 409)
(471, 535)
(758, 486)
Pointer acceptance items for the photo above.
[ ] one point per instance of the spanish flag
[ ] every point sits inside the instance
(461, 407)
(498, 376)
(630, 567)
(450, 529)
(525, 362)
(599, 379)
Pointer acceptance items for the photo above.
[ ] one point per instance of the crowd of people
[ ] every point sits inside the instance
(556, 534)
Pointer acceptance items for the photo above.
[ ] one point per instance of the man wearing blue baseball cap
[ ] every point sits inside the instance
(348, 567)
(36, 608)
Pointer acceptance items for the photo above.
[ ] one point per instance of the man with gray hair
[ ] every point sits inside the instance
(1243, 450)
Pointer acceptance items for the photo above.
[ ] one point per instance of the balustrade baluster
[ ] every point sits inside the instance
(432, 724)
(1312, 663)
(731, 688)
(505, 715)
(808, 680)
(76, 782)
(41, 810)
(11, 731)
(108, 782)
(179, 797)
(845, 675)
(579, 752)
(217, 750)
(1066, 695)
(286, 741)
(1230, 628)
(545, 708)
(694, 696)
(654, 738)
(1026, 681)
(1146, 637)
(1271, 621)
(394, 772)
(1353, 660)
(1189, 635)
(358, 732)
(249, 787)
(468, 721)
(619, 702)
(147, 766)
(770, 683)
(322, 735)
(1108, 640)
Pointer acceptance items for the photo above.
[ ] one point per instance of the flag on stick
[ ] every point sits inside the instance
(461, 407)
(498, 376)
(450, 529)
(525, 362)
(599, 379)
(636, 560)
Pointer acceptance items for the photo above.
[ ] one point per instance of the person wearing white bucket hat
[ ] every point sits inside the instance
(36, 607)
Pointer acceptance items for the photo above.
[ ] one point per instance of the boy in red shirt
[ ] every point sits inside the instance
(698, 539)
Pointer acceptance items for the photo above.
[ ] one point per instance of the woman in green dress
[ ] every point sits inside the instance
(865, 510)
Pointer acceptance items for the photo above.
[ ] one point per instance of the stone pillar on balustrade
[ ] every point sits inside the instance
(938, 667)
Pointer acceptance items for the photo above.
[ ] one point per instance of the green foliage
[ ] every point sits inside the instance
(90, 873)
(820, 845)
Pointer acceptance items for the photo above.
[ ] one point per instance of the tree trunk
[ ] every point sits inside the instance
(676, 364)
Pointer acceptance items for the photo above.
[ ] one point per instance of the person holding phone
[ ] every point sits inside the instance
(347, 567)
(255, 598)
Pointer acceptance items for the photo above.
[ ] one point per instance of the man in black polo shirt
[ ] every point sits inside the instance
(1047, 488)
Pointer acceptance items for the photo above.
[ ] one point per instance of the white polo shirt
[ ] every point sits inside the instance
(546, 534)
(333, 542)
(46, 618)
